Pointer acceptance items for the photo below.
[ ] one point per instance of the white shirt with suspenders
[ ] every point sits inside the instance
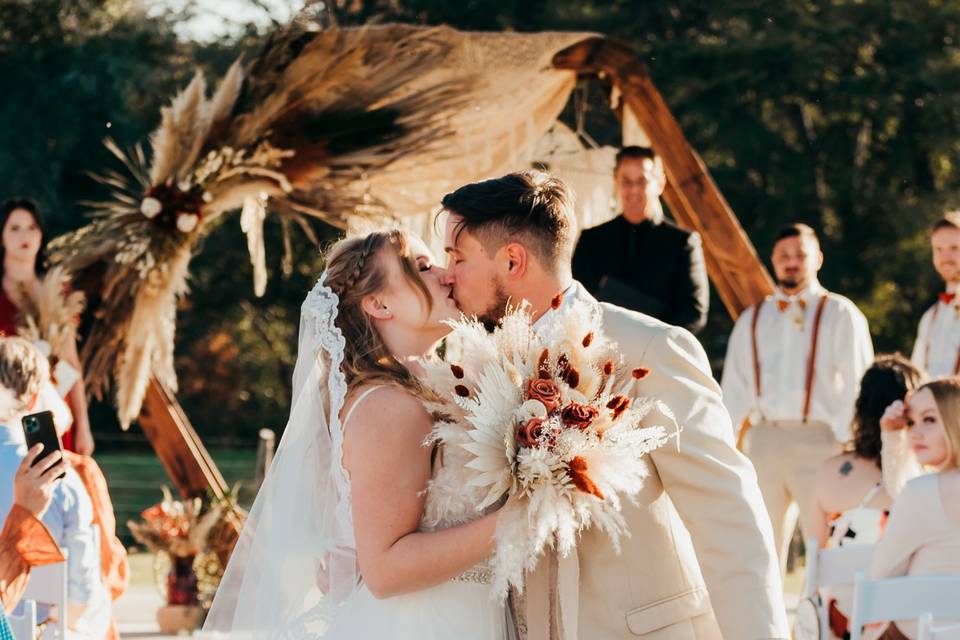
(937, 349)
(769, 373)
(790, 382)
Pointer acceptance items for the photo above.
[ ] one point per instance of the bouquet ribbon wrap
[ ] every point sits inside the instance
(552, 597)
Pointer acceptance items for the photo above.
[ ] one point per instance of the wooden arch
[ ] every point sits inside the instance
(694, 199)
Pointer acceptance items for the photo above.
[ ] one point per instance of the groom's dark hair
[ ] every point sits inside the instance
(530, 206)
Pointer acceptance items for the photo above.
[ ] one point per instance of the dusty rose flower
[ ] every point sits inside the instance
(546, 391)
(578, 415)
(528, 434)
(577, 470)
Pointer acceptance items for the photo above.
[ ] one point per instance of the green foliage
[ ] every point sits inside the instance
(838, 113)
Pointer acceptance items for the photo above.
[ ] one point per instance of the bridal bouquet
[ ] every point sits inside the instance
(548, 415)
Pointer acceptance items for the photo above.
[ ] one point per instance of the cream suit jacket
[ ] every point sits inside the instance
(700, 560)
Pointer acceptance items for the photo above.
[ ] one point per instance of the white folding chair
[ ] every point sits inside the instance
(905, 598)
(48, 585)
(828, 568)
(23, 621)
(929, 632)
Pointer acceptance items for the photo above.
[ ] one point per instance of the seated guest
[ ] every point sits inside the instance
(850, 504)
(25, 542)
(922, 536)
(640, 261)
(70, 516)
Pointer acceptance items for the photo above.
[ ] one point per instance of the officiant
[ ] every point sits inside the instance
(639, 260)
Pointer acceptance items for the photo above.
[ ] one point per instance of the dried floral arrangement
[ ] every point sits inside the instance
(199, 530)
(298, 130)
(553, 416)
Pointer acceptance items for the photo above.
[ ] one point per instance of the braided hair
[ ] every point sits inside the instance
(357, 268)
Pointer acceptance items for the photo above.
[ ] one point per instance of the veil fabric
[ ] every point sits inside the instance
(296, 558)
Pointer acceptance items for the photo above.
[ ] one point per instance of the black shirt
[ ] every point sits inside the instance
(654, 268)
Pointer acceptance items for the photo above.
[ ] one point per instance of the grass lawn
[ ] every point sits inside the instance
(135, 479)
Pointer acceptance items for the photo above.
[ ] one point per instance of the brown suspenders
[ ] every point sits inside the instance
(926, 354)
(811, 359)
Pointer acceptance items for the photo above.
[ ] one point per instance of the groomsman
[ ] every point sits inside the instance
(937, 349)
(790, 379)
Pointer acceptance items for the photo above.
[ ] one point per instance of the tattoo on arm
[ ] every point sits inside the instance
(846, 468)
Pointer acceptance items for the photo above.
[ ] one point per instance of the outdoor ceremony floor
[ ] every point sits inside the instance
(136, 611)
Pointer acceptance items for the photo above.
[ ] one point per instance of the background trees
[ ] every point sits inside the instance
(840, 113)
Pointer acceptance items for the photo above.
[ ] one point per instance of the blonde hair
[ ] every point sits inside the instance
(22, 370)
(357, 268)
(946, 393)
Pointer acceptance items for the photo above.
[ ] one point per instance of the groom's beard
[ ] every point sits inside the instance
(495, 311)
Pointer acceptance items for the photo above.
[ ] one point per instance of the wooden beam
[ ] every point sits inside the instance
(177, 444)
(735, 269)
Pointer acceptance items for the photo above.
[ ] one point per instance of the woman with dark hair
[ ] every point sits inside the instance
(851, 502)
(22, 268)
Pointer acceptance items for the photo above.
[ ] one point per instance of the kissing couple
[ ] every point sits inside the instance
(362, 531)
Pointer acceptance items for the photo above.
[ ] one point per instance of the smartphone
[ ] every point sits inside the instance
(39, 429)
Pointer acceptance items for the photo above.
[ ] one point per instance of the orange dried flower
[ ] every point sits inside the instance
(457, 371)
(572, 377)
(618, 404)
(608, 367)
(577, 470)
(640, 373)
(556, 302)
(588, 340)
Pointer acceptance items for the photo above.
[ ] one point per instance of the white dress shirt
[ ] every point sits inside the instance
(938, 338)
(784, 339)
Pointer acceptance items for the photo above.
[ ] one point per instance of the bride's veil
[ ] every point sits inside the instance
(295, 557)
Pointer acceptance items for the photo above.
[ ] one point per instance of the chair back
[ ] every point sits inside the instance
(833, 568)
(48, 585)
(903, 598)
(23, 620)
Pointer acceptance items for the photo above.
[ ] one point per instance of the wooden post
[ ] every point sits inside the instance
(737, 272)
(177, 444)
(265, 448)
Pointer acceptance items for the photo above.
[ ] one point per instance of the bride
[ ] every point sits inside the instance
(360, 530)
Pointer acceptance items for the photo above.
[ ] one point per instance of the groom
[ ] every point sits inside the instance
(699, 562)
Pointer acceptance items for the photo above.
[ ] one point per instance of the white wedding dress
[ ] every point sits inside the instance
(293, 574)
(460, 609)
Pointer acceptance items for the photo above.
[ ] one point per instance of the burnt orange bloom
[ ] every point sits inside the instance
(577, 470)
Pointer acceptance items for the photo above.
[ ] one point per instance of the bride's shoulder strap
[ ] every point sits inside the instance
(358, 401)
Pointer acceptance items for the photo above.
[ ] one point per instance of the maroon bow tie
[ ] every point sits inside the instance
(947, 298)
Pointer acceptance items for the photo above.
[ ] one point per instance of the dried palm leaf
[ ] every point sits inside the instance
(50, 314)
(315, 113)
